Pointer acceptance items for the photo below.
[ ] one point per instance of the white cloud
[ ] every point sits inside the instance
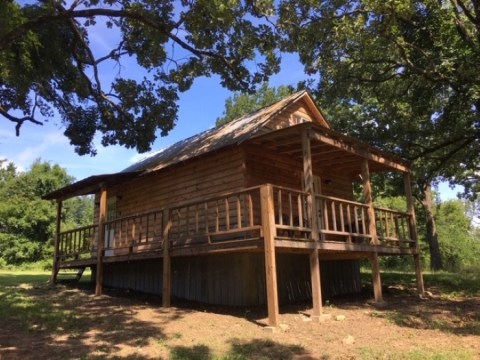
(31, 153)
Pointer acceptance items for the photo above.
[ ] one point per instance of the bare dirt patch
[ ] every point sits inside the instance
(65, 322)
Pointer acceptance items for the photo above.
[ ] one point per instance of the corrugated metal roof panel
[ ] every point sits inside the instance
(234, 132)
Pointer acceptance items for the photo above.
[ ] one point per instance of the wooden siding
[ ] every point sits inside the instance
(263, 166)
(202, 177)
(235, 279)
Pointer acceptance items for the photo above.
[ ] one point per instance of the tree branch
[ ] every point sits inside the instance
(18, 120)
(21, 30)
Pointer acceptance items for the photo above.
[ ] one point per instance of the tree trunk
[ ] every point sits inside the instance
(431, 236)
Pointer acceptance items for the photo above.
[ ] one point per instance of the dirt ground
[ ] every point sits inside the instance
(70, 323)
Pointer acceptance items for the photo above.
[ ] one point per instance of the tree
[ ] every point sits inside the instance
(402, 75)
(50, 67)
(457, 242)
(27, 223)
(241, 103)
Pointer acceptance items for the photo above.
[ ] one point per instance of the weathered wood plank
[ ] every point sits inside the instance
(268, 221)
(102, 210)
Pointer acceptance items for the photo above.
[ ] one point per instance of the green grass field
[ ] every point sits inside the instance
(35, 307)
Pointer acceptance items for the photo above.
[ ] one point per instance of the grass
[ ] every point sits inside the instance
(449, 284)
(26, 299)
(22, 300)
(15, 277)
(368, 353)
(457, 317)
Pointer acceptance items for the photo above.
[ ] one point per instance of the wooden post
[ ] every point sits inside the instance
(101, 240)
(55, 268)
(367, 195)
(372, 229)
(167, 275)
(413, 232)
(268, 224)
(376, 280)
(312, 212)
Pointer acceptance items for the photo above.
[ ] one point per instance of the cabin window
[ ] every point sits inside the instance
(111, 208)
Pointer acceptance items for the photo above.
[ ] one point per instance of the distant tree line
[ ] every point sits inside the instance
(27, 223)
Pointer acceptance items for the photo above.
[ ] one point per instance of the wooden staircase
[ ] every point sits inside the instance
(72, 275)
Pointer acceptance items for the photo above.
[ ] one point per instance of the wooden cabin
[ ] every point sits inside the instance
(258, 211)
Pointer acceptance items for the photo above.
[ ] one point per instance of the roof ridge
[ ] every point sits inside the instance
(232, 132)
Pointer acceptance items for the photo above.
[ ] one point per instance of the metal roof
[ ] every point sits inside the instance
(90, 185)
(234, 132)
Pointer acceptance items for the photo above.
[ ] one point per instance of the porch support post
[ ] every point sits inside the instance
(367, 196)
(376, 280)
(312, 212)
(167, 275)
(268, 224)
(102, 210)
(413, 231)
(372, 230)
(55, 266)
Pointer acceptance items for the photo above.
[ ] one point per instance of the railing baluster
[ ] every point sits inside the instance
(205, 217)
(239, 213)
(387, 224)
(342, 220)
(334, 215)
(227, 214)
(325, 213)
(250, 208)
(147, 228)
(290, 206)
(279, 204)
(349, 219)
(300, 209)
(364, 224)
(217, 221)
(357, 228)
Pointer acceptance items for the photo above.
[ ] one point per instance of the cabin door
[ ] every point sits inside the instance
(109, 227)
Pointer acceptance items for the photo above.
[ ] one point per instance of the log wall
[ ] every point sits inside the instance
(206, 176)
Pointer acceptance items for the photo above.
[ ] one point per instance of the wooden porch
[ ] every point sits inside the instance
(266, 218)
(233, 221)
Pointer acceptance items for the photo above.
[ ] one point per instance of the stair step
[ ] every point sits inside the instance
(77, 275)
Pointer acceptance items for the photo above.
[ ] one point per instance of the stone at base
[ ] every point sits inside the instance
(348, 340)
(321, 318)
(274, 329)
(270, 329)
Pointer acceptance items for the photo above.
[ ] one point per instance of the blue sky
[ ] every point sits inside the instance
(198, 109)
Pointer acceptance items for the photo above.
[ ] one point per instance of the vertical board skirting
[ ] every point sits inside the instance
(235, 279)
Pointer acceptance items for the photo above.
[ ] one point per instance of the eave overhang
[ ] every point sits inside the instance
(90, 185)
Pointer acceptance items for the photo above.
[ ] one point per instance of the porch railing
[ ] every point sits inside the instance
(228, 217)
(236, 217)
(135, 233)
(343, 220)
(291, 218)
(77, 243)
(394, 228)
